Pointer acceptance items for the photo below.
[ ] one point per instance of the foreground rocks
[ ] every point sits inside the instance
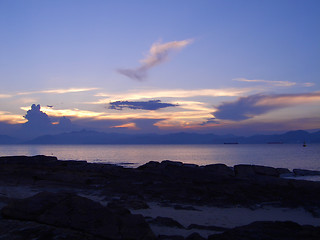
(270, 231)
(215, 184)
(26, 230)
(53, 214)
(70, 211)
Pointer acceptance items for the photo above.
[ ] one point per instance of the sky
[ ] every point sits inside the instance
(219, 66)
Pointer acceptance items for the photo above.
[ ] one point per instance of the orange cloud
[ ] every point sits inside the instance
(11, 118)
(172, 93)
(59, 91)
(274, 83)
(127, 125)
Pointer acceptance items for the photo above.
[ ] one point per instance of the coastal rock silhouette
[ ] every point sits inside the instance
(71, 211)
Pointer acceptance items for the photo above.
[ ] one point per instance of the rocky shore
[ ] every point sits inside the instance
(42, 197)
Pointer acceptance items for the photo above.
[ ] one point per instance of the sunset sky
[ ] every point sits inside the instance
(218, 66)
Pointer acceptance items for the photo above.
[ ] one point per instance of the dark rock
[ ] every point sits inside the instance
(172, 182)
(266, 171)
(72, 211)
(270, 231)
(168, 163)
(211, 228)
(135, 227)
(244, 170)
(118, 208)
(315, 211)
(285, 172)
(190, 165)
(173, 237)
(219, 169)
(25, 230)
(149, 165)
(303, 172)
(39, 159)
(195, 236)
(282, 171)
(166, 221)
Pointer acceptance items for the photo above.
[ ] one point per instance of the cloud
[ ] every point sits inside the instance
(11, 118)
(37, 118)
(173, 93)
(210, 121)
(59, 91)
(147, 125)
(248, 107)
(69, 112)
(274, 83)
(148, 105)
(5, 96)
(126, 126)
(158, 54)
(308, 84)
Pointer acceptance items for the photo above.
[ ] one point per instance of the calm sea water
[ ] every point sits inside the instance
(275, 155)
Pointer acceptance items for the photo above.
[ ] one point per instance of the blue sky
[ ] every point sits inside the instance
(203, 66)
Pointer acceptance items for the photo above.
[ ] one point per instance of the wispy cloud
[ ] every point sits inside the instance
(172, 93)
(11, 118)
(126, 125)
(251, 106)
(5, 96)
(273, 83)
(210, 121)
(308, 84)
(59, 91)
(158, 54)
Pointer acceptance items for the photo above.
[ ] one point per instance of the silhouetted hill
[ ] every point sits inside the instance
(4, 139)
(298, 136)
(92, 137)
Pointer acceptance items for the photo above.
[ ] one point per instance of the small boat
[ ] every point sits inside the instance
(304, 144)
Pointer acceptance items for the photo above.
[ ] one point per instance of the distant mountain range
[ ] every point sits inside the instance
(92, 137)
(4, 139)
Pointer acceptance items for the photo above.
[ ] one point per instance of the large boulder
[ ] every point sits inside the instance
(78, 213)
(219, 169)
(266, 171)
(149, 166)
(245, 170)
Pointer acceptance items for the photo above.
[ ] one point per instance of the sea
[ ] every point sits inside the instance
(289, 156)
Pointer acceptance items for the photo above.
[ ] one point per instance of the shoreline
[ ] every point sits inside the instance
(174, 198)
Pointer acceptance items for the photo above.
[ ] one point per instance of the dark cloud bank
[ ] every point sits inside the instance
(143, 105)
(248, 107)
(243, 108)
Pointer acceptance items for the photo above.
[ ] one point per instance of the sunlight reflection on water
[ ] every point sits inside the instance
(278, 155)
